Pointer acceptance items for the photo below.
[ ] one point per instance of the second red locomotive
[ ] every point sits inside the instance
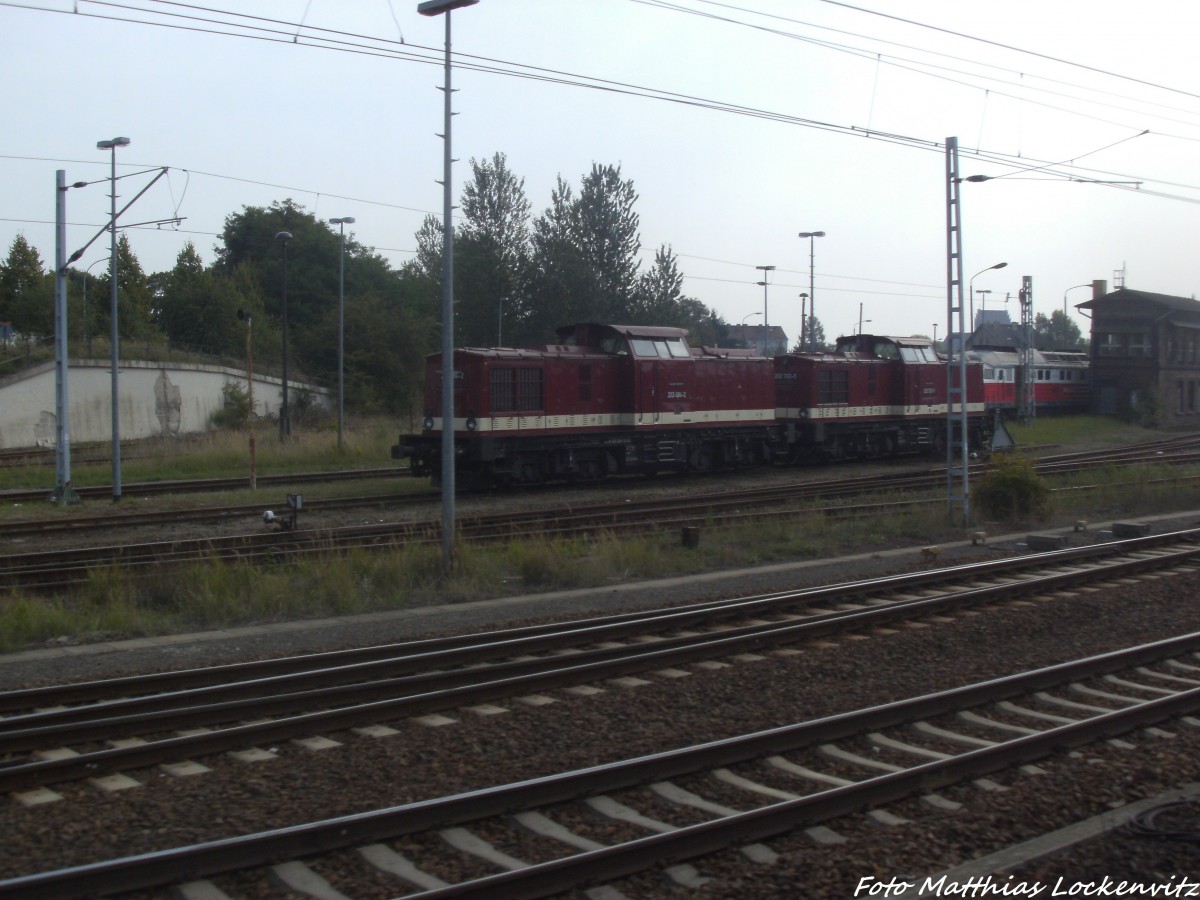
(623, 399)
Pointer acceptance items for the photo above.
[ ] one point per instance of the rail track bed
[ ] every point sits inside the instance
(761, 668)
(85, 542)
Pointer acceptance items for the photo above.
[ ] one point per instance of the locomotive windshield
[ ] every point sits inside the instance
(670, 348)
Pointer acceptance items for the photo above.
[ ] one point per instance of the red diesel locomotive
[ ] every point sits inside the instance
(872, 397)
(628, 399)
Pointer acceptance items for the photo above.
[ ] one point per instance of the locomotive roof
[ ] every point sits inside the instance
(568, 331)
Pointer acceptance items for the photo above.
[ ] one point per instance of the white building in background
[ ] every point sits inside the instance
(156, 399)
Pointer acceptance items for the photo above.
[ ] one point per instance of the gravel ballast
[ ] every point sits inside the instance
(573, 732)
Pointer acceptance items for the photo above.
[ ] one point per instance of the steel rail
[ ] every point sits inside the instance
(438, 691)
(181, 864)
(12, 701)
(193, 485)
(56, 569)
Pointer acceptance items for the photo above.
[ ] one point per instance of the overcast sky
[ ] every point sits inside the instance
(336, 114)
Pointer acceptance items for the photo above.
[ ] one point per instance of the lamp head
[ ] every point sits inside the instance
(345, 220)
(812, 234)
(283, 236)
(1000, 265)
(115, 142)
(437, 7)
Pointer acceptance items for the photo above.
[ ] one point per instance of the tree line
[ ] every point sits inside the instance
(515, 274)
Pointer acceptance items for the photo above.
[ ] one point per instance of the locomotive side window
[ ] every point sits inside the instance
(678, 349)
(643, 347)
(613, 344)
(833, 386)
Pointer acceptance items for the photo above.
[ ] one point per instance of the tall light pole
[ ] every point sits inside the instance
(812, 293)
(766, 270)
(285, 415)
(341, 223)
(242, 314)
(971, 286)
(500, 301)
(112, 276)
(437, 8)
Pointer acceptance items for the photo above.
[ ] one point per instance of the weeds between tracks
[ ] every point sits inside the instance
(113, 604)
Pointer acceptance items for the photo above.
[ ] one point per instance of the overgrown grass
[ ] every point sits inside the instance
(1080, 432)
(222, 454)
(220, 595)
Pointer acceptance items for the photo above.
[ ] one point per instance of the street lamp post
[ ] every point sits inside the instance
(87, 326)
(971, 286)
(242, 314)
(341, 223)
(436, 8)
(812, 294)
(285, 415)
(765, 270)
(803, 343)
(500, 301)
(744, 318)
(112, 276)
(1067, 291)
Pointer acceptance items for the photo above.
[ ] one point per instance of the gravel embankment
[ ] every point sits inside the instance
(528, 741)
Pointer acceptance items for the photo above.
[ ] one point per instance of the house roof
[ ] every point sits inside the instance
(1127, 297)
(996, 336)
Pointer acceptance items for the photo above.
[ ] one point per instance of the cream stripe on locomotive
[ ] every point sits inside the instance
(826, 413)
(506, 424)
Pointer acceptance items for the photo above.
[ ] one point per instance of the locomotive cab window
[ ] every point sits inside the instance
(667, 348)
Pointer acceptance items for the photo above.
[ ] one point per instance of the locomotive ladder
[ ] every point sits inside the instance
(958, 493)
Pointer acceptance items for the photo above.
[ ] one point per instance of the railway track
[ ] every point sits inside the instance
(300, 697)
(730, 793)
(1177, 451)
(199, 485)
(57, 569)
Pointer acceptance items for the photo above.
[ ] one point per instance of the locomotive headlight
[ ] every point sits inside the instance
(428, 423)
(472, 423)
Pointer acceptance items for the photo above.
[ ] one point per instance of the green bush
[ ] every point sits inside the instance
(236, 409)
(1012, 491)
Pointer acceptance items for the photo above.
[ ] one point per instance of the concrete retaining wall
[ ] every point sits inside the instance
(154, 399)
